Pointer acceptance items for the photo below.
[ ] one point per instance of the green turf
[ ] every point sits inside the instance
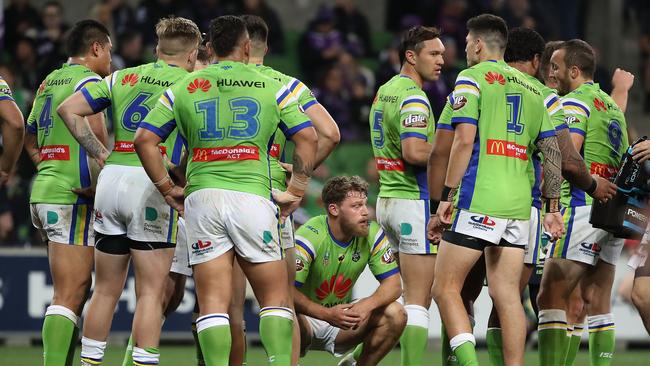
(184, 355)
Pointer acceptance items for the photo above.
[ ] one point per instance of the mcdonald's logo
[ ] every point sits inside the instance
(507, 148)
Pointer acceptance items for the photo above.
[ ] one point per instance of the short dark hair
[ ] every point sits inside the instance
(580, 54)
(203, 55)
(257, 29)
(491, 29)
(225, 34)
(545, 60)
(337, 188)
(83, 35)
(523, 45)
(413, 38)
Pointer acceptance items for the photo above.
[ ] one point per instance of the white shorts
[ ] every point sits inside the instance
(324, 337)
(128, 203)
(181, 260)
(217, 220)
(287, 241)
(478, 231)
(65, 224)
(405, 223)
(584, 243)
(531, 254)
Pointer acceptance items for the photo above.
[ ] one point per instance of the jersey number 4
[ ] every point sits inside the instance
(45, 120)
(244, 125)
(513, 104)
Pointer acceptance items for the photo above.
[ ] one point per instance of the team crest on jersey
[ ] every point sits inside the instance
(600, 105)
(326, 259)
(571, 119)
(339, 285)
(415, 120)
(341, 257)
(459, 102)
(130, 79)
(202, 84)
(491, 77)
(5, 91)
(356, 256)
(388, 257)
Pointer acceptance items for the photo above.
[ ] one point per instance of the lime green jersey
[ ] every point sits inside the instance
(591, 113)
(227, 113)
(132, 93)
(305, 99)
(64, 163)
(510, 116)
(5, 90)
(400, 110)
(327, 269)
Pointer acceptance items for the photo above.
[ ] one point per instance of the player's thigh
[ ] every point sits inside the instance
(417, 275)
(405, 223)
(213, 283)
(64, 224)
(236, 310)
(560, 277)
(71, 267)
(580, 243)
(269, 282)
(453, 264)
(290, 261)
(325, 337)
(504, 265)
(151, 267)
(597, 287)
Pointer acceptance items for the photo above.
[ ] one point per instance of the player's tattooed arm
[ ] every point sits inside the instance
(552, 166)
(574, 169)
(84, 134)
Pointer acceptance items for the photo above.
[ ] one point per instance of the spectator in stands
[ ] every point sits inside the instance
(641, 9)
(389, 63)
(332, 94)
(116, 15)
(129, 50)
(353, 25)
(25, 61)
(50, 37)
(22, 96)
(270, 16)
(210, 9)
(321, 46)
(149, 12)
(517, 14)
(453, 19)
(453, 64)
(20, 18)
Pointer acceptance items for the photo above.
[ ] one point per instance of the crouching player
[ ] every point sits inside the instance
(332, 251)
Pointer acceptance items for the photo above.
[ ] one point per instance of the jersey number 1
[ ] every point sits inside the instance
(513, 108)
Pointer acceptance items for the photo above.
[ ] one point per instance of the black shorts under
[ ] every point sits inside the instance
(473, 242)
(122, 245)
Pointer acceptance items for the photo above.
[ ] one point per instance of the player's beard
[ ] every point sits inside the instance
(354, 227)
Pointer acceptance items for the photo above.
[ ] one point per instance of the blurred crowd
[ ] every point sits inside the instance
(338, 54)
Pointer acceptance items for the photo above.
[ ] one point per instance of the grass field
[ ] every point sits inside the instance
(184, 355)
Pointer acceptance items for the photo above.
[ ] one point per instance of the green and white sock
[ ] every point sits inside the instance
(495, 346)
(276, 330)
(128, 354)
(214, 334)
(146, 356)
(92, 352)
(58, 331)
(574, 344)
(602, 339)
(415, 336)
(69, 361)
(463, 347)
(552, 335)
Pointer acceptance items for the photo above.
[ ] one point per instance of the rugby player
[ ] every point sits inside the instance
(132, 219)
(328, 138)
(585, 256)
(61, 197)
(401, 124)
(333, 251)
(228, 207)
(12, 126)
(489, 159)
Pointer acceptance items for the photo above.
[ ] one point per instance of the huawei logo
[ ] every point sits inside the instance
(491, 77)
(337, 284)
(130, 79)
(199, 83)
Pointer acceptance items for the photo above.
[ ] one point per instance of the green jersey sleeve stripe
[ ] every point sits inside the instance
(288, 132)
(31, 128)
(578, 131)
(6, 97)
(96, 105)
(470, 120)
(406, 135)
(443, 126)
(163, 132)
(381, 236)
(309, 104)
(544, 134)
(298, 283)
(575, 106)
(306, 249)
(561, 127)
(385, 275)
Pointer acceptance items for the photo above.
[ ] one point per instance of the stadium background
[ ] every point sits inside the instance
(344, 50)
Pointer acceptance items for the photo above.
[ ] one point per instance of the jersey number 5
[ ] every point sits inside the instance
(513, 108)
(378, 129)
(244, 125)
